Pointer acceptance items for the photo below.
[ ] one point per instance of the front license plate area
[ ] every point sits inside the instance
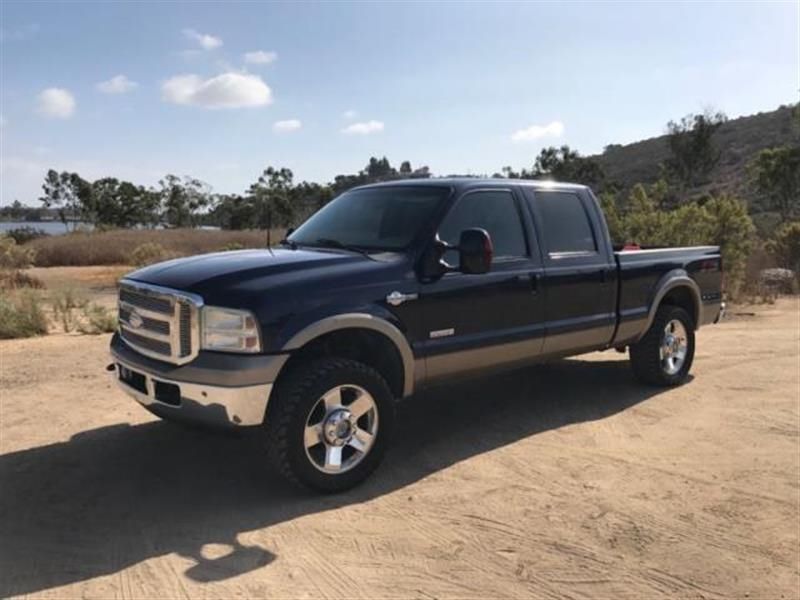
(133, 379)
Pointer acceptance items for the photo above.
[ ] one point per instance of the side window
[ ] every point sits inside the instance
(565, 223)
(494, 211)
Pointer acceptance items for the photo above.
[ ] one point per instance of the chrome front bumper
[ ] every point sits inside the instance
(200, 403)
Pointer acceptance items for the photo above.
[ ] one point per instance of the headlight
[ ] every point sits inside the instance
(229, 330)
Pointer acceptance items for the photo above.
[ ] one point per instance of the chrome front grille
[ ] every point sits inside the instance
(160, 322)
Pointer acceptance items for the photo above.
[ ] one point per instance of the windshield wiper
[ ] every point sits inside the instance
(331, 243)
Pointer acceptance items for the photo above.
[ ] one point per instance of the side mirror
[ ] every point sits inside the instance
(475, 251)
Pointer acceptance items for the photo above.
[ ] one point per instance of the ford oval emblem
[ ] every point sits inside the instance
(135, 320)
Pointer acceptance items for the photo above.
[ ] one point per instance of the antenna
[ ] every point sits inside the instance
(269, 229)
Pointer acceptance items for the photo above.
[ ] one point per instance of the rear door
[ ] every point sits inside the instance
(580, 273)
(479, 322)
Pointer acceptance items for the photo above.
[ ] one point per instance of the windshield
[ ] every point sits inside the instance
(385, 218)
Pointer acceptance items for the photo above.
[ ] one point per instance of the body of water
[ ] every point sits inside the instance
(51, 227)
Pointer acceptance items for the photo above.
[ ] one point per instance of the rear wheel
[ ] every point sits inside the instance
(328, 424)
(664, 355)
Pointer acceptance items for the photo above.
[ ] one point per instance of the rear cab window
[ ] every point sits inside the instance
(566, 224)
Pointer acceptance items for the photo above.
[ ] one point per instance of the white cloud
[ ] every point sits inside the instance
(118, 84)
(229, 90)
(536, 132)
(287, 125)
(259, 57)
(206, 41)
(56, 103)
(364, 128)
(350, 114)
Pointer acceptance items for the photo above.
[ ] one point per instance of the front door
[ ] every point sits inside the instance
(478, 322)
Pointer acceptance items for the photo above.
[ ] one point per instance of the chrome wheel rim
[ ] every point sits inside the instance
(341, 429)
(674, 347)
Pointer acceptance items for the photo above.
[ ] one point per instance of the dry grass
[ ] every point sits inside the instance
(13, 279)
(117, 247)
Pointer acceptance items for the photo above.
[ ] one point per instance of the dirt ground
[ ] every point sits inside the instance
(567, 480)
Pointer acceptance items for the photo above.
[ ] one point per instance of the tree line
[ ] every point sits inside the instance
(274, 199)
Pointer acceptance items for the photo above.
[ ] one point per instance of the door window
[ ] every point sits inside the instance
(494, 211)
(566, 225)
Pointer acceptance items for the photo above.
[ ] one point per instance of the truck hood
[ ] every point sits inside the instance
(210, 273)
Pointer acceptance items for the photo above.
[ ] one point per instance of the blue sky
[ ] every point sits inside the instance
(138, 90)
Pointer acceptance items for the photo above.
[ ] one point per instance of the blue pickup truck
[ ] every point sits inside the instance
(392, 288)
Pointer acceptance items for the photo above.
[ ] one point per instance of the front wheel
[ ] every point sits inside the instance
(664, 355)
(328, 424)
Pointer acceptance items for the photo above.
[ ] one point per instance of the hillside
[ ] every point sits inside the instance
(739, 141)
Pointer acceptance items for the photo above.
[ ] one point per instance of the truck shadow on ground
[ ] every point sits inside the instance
(115, 496)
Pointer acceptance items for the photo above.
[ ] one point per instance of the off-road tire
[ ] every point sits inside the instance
(292, 400)
(645, 356)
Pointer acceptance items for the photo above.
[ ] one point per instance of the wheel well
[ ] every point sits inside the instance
(682, 297)
(363, 345)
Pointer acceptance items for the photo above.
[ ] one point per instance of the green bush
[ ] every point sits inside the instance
(14, 256)
(21, 315)
(97, 319)
(785, 246)
(21, 235)
(719, 220)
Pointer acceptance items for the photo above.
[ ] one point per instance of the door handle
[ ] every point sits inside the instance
(535, 282)
(530, 280)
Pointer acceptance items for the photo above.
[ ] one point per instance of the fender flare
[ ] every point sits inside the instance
(673, 280)
(360, 321)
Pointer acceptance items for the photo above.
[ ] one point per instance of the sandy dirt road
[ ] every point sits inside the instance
(561, 481)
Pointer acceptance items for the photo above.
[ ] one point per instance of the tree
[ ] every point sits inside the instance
(182, 199)
(310, 196)
(105, 206)
(405, 168)
(693, 151)
(608, 202)
(67, 193)
(272, 194)
(233, 211)
(565, 164)
(732, 230)
(776, 174)
(380, 170)
(115, 203)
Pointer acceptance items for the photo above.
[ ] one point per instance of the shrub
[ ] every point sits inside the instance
(25, 234)
(97, 319)
(64, 303)
(732, 230)
(11, 279)
(14, 256)
(721, 220)
(232, 246)
(785, 246)
(148, 253)
(21, 315)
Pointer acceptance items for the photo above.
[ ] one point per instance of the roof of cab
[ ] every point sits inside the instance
(462, 183)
